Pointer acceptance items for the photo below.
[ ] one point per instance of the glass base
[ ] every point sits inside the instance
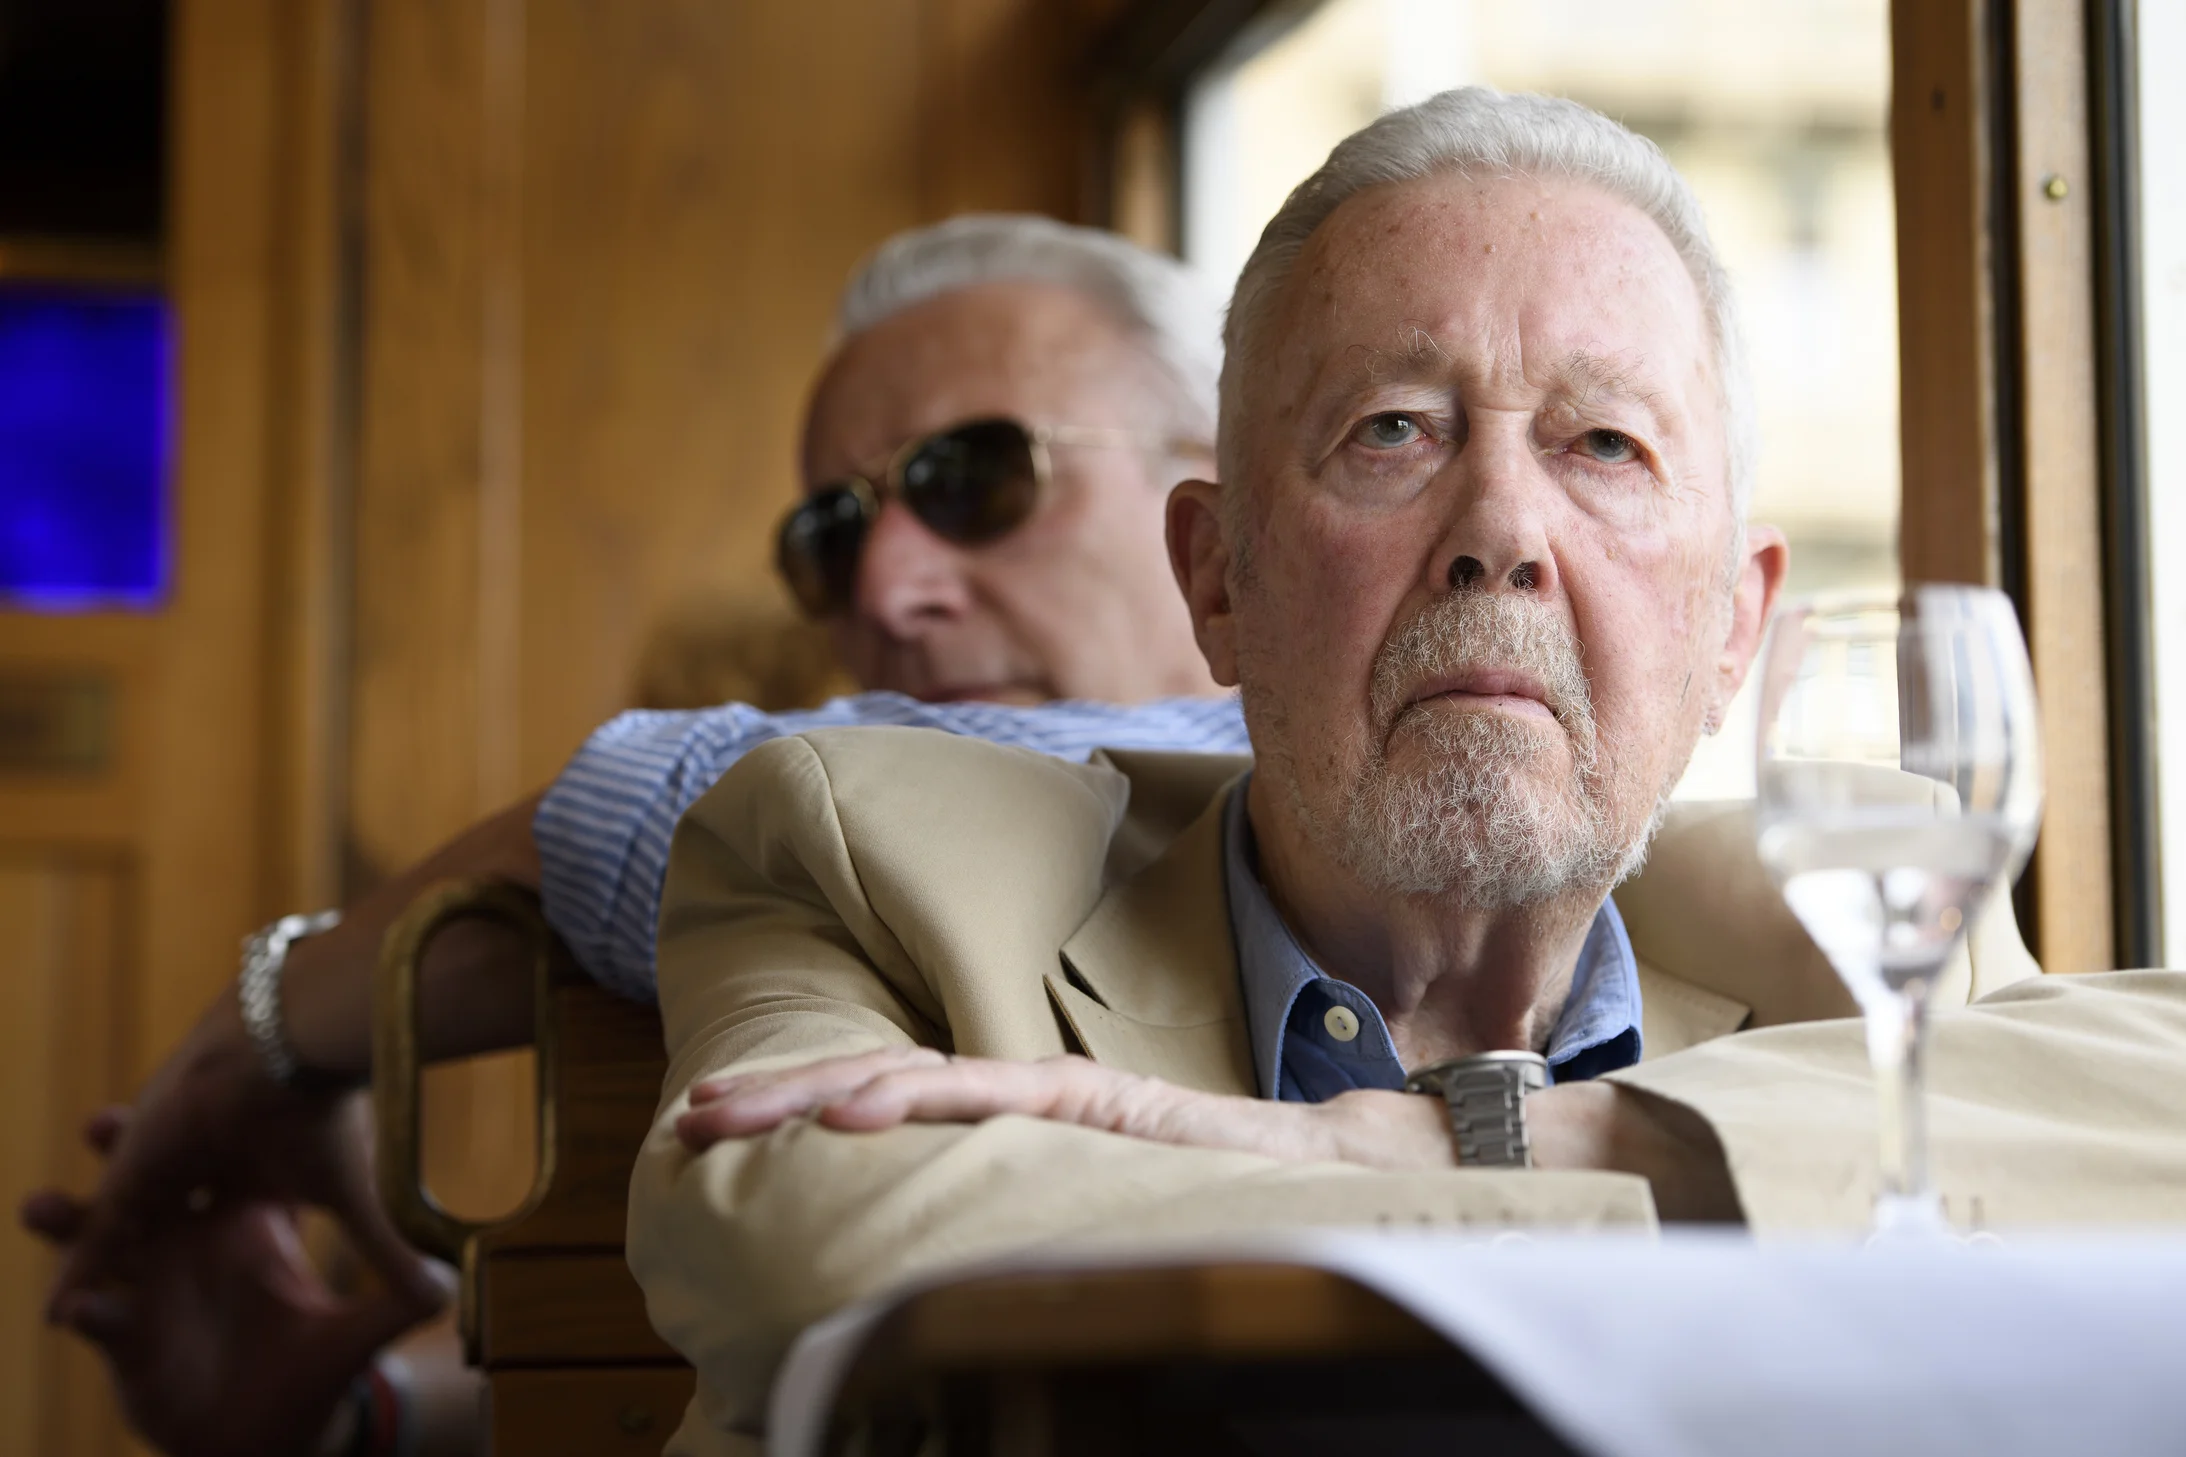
(1910, 1217)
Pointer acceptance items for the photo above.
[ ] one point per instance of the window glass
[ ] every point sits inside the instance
(86, 397)
(1776, 113)
(2161, 198)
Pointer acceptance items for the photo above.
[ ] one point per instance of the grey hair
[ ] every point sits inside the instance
(1479, 129)
(1164, 306)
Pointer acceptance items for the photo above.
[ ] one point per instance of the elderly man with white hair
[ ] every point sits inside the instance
(1478, 565)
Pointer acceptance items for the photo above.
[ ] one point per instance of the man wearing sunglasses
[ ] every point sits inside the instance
(987, 454)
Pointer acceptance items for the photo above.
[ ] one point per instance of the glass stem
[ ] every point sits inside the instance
(1897, 1043)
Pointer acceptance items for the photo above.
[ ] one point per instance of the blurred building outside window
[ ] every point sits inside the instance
(1778, 116)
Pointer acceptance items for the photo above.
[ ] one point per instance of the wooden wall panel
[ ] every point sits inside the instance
(437, 508)
(312, 355)
(695, 193)
(1939, 150)
(1006, 116)
(206, 796)
(104, 809)
(602, 249)
(694, 198)
(2053, 181)
(686, 192)
(63, 1046)
(1142, 184)
(415, 649)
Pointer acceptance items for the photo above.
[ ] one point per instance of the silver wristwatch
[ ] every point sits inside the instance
(258, 987)
(1486, 1094)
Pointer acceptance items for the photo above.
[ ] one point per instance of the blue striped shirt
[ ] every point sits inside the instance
(603, 830)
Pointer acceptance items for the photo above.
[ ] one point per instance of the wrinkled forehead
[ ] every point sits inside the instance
(1497, 276)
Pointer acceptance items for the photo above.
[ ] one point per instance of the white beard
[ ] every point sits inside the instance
(1483, 809)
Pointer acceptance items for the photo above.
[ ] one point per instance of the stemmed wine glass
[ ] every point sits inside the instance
(1899, 785)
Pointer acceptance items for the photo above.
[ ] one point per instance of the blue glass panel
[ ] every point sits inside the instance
(86, 447)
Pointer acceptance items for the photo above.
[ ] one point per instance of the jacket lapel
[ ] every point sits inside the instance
(1149, 982)
(1676, 1014)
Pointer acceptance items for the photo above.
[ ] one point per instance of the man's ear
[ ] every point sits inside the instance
(1200, 558)
(1753, 598)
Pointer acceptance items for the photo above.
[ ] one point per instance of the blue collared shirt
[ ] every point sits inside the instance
(1300, 1059)
(603, 830)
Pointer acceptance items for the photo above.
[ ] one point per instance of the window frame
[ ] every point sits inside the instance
(2018, 390)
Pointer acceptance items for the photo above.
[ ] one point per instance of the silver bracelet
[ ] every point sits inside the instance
(258, 987)
(1486, 1095)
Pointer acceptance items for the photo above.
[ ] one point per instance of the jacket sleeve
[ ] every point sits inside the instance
(770, 956)
(2057, 1100)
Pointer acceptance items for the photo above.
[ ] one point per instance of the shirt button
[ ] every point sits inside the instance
(1342, 1023)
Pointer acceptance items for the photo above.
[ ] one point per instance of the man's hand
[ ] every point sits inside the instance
(206, 1167)
(212, 1128)
(202, 1172)
(879, 1090)
(222, 1338)
(1592, 1125)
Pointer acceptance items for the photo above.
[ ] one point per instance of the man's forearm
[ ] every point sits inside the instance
(475, 985)
(739, 1248)
(1577, 1126)
(2054, 1101)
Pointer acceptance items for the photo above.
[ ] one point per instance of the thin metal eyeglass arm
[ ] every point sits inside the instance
(1108, 435)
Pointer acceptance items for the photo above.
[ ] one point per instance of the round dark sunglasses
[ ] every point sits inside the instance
(968, 484)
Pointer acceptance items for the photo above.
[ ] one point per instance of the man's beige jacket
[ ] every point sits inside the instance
(863, 888)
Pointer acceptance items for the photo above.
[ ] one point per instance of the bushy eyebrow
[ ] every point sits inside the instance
(1583, 378)
(1421, 357)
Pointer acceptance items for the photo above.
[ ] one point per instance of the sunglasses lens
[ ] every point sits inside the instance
(973, 483)
(817, 551)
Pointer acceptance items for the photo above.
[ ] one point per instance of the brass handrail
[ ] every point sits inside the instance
(397, 1102)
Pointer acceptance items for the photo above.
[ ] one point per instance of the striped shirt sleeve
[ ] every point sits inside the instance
(604, 828)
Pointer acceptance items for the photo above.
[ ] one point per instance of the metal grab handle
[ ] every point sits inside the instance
(397, 1101)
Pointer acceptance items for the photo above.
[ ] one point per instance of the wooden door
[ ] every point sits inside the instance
(64, 917)
(162, 769)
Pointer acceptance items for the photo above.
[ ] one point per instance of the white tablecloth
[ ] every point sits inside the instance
(1710, 1346)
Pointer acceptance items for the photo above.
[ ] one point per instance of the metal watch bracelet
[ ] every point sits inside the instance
(1486, 1096)
(258, 987)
